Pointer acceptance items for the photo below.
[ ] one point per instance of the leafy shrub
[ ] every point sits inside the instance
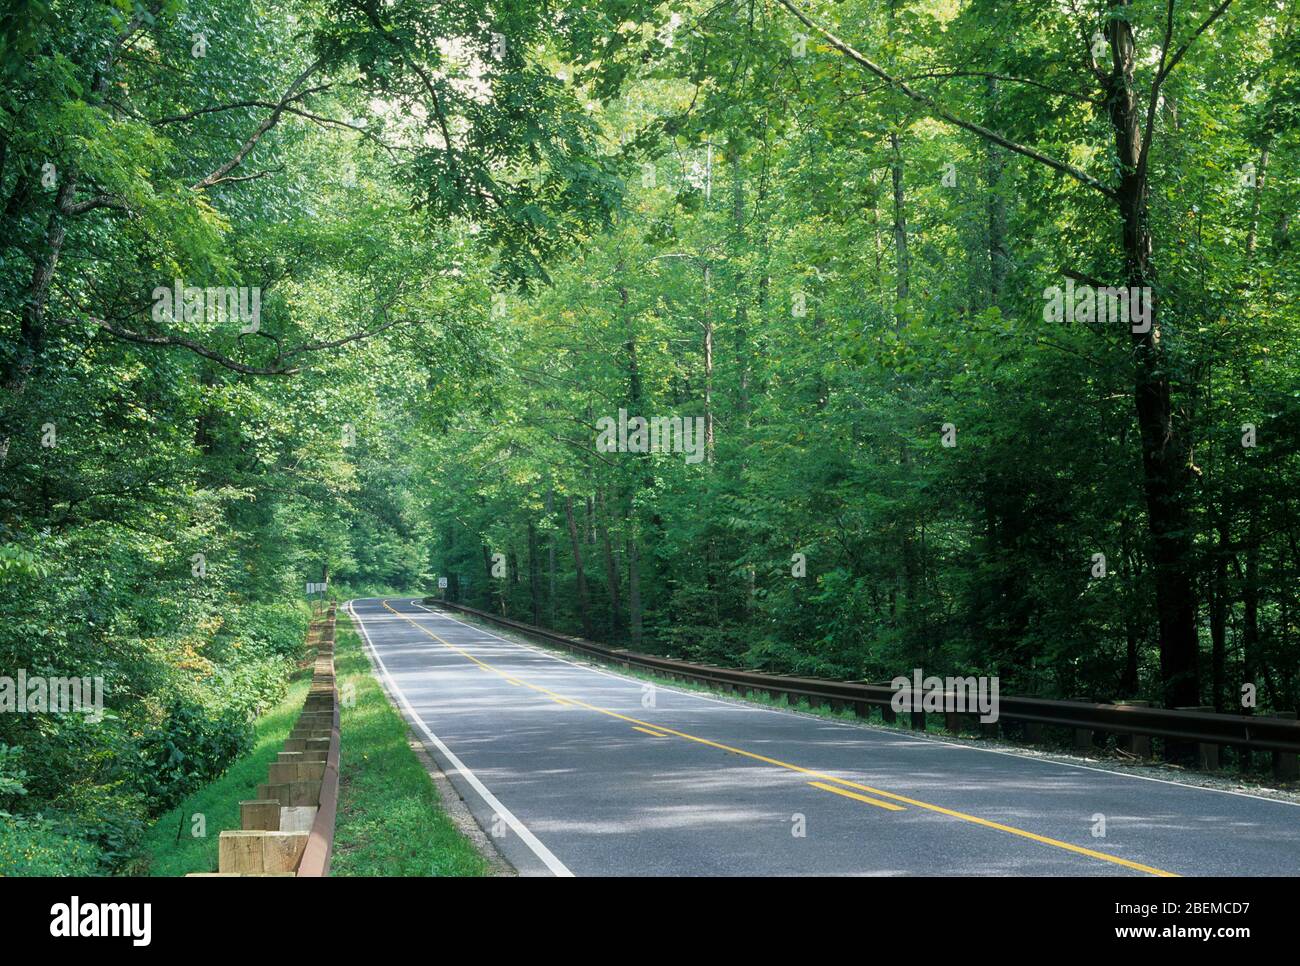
(31, 845)
(12, 776)
(190, 749)
(269, 629)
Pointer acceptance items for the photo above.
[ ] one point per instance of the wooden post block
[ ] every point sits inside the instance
(918, 720)
(295, 744)
(261, 814)
(298, 818)
(304, 793)
(1034, 732)
(951, 722)
(313, 756)
(292, 756)
(311, 771)
(280, 772)
(279, 792)
(282, 850)
(887, 713)
(240, 852)
(988, 729)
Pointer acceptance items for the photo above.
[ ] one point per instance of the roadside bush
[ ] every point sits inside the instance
(31, 845)
(191, 748)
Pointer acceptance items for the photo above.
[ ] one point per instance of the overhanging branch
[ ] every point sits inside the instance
(942, 113)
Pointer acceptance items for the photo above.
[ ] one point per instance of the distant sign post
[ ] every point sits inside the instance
(442, 587)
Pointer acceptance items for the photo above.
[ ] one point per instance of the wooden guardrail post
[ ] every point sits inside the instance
(260, 815)
(1137, 745)
(1207, 753)
(289, 828)
(1286, 764)
(1084, 737)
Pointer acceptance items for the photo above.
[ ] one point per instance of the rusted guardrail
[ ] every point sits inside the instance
(1135, 721)
(288, 829)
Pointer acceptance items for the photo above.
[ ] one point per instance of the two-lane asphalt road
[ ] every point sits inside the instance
(579, 770)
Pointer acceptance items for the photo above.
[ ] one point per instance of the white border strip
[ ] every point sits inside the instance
(529, 839)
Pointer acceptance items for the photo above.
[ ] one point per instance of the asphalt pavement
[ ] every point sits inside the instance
(580, 770)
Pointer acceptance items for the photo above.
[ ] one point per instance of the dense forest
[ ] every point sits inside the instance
(967, 331)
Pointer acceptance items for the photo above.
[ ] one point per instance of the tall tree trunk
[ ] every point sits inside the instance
(488, 578)
(534, 581)
(1250, 656)
(741, 321)
(994, 163)
(552, 578)
(1130, 574)
(903, 270)
(1255, 200)
(32, 332)
(584, 604)
(633, 590)
(708, 367)
(1219, 615)
(611, 566)
(1166, 455)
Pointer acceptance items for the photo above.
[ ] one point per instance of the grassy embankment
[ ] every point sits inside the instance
(390, 822)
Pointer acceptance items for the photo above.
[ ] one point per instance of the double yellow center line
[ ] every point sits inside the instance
(825, 782)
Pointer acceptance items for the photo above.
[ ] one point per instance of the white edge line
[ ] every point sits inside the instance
(529, 839)
(859, 727)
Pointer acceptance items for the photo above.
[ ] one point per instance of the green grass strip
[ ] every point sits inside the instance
(390, 822)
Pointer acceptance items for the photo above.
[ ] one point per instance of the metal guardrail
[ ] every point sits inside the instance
(1252, 732)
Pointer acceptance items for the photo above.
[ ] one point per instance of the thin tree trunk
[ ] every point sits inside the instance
(1255, 201)
(708, 368)
(611, 565)
(1219, 617)
(902, 279)
(534, 582)
(633, 590)
(584, 604)
(995, 162)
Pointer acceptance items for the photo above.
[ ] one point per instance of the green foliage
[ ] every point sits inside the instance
(34, 846)
(478, 229)
(190, 750)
